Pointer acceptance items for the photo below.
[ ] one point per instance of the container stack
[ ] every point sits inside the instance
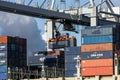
(55, 59)
(15, 50)
(3, 60)
(97, 50)
(70, 62)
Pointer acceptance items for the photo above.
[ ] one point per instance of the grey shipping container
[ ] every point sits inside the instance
(73, 50)
(98, 39)
(59, 44)
(102, 26)
(70, 66)
(35, 60)
(3, 69)
(3, 76)
(3, 47)
(70, 58)
(96, 55)
(70, 73)
(97, 31)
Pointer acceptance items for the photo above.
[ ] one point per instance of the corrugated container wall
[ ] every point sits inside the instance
(97, 63)
(70, 62)
(96, 55)
(97, 47)
(97, 71)
(98, 39)
(97, 32)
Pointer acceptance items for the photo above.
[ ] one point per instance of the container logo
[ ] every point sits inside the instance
(96, 54)
(2, 62)
(2, 47)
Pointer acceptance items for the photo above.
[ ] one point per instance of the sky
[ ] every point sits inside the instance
(31, 28)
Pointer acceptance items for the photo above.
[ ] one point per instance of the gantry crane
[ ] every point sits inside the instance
(72, 16)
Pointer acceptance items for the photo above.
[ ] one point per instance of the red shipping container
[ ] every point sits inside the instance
(97, 63)
(97, 47)
(97, 71)
(3, 39)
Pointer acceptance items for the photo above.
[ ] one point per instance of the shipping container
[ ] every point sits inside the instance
(70, 73)
(3, 54)
(70, 58)
(3, 61)
(97, 31)
(97, 63)
(73, 50)
(70, 66)
(102, 26)
(59, 44)
(39, 53)
(3, 69)
(3, 47)
(50, 64)
(54, 53)
(97, 47)
(3, 39)
(98, 39)
(3, 76)
(73, 42)
(50, 60)
(97, 71)
(35, 60)
(96, 55)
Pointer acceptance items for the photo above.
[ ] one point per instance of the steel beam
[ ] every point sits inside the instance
(47, 14)
(39, 12)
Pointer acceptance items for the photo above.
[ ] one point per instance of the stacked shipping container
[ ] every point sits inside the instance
(98, 46)
(3, 61)
(12, 54)
(51, 59)
(70, 62)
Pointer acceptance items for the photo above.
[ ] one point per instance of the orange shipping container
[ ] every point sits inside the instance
(97, 47)
(97, 71)
(97, 63)
(3, 39)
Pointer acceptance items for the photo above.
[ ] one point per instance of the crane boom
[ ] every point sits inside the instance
(44, 13)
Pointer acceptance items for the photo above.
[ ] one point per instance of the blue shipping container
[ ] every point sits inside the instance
(70, 58)
(3, 76)
(70, 73)
(3, 61)
(96, 55)
(97, 39)
(3, 69)
(70, 66)
(73, 50)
